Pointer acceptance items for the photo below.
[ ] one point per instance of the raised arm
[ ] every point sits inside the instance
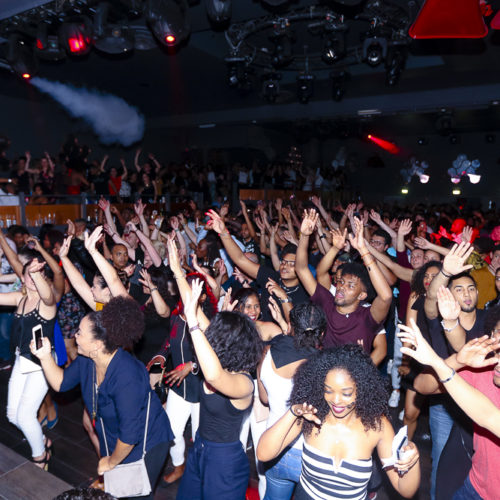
(149, 247)
(139, 210)
(427, 245)
(105, 206)
(329, 221)
(449, 309)
(301, 262)
(248, 222)
(53, 373)
(75, 278)
(12, 257)
(403, 273)
(105, 268)
(475, 354)
(382, 302)
(375, 217)
(326, 263)
(161, 306)
(233, 385)
(236, 255)
(453, 264)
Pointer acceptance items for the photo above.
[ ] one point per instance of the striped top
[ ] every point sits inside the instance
(322, 479)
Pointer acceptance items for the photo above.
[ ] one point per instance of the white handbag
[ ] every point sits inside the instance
(128, 480)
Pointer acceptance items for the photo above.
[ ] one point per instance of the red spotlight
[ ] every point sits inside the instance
(26, 76)
(170, 39)
(386, 145)
(39, 44)
(77, 43)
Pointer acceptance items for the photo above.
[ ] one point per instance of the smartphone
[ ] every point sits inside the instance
(37, 333)
(401, 445)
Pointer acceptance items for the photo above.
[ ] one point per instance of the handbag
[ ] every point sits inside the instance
(128, 480)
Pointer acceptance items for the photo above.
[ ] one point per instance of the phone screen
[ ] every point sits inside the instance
(37, 336)
(403, 443)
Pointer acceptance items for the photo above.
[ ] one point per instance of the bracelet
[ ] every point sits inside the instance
(194, 368)
(293, 413)
(194, 328)
(449, 329)
(225, 233)
(153, 289)
(445, 275)
(370, 263)
(364, 255)
(179, 277)
(322, 236)
(449, 378)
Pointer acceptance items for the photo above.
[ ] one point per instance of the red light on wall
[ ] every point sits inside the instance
(39, 44)
(170, 39)
(390, 147)
(26, 76)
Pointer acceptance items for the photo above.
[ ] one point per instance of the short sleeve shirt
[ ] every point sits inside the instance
(346, 328)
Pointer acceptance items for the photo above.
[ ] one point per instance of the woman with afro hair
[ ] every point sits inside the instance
(115, 387)
(339, 403)
(228, 350)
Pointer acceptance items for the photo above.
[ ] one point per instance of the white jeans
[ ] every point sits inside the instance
(179, 410)
(26, 393)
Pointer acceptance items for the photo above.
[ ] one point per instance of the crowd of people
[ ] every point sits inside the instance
(74, 170)
(300, 323)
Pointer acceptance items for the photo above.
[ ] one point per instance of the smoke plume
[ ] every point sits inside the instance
(113, 120)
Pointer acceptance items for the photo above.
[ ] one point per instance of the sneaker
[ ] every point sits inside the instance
(402, 415)
(394, 399)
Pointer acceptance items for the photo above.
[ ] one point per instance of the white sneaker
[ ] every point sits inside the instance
(390, 363)
(394, 399)
(402, 415)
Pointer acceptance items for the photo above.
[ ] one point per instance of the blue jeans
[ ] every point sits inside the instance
(214, 471)
(440, 423)
(284, 475)
(467, 492)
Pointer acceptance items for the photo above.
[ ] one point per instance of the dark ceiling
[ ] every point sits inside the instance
(187, 86)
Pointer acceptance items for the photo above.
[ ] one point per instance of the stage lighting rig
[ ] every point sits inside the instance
(305, 87)
(339, 79)
(271, 86)
(21, 58)
(169, 20)
(111, 38)
(77, 36)
(374, 50)
(218, 11)
(395, 65)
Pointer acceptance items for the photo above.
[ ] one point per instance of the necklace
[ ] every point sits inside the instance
(289, 290)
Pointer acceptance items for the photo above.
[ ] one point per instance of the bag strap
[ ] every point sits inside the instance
(145, 431)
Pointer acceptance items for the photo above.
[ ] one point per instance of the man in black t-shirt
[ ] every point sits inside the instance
(283, 284)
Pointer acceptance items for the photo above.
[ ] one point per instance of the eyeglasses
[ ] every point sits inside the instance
(289, 263)
(375, 243)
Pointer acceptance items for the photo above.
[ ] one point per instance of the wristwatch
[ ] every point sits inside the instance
(286, 301)
(449, 329)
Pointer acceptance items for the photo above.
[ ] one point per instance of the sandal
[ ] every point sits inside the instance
(49, 447)
(43, 463)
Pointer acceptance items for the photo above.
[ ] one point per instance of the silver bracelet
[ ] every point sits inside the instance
(449, 378)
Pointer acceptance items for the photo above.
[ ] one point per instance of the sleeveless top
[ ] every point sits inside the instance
(21, 330)
(220, 421)
(322, 479)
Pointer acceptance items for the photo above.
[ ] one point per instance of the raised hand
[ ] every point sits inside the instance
(422, 351)
(216, 223)
(306, 411)
(405, 227)
(475, 352)
(309, 222)
(103, 204)
(71, 227)
(259, 223)
(316, 201)
(35, 266)
(191, 304)
(349, 211)
(44, 352)
(375, 217)
(274, 288)
(453, 263)
(286, 213)
(145, 279)
(449, 308)
(422, 243)
(107, 229)
(278, 204)
(466, 235)
(174, 223)
(91, 241)
(357, 239)
(276, 314)
(139, 208)
(35, 242)
(288, 237)
(224, 210)
(338, 238)
(227, 305)
(243, 207)
(64, 250)
(173, 255)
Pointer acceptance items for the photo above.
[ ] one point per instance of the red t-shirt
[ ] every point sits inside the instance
(346, 328)
(484, 474)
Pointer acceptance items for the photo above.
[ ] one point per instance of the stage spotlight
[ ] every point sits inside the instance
(47, 46)
(334, 48)
(305, 87)
(168, 20)
(21, 58)
(271, 86)
(404, 190)
(218, 11)
(111, 38)
(374, 50)
(388, 146)
(76, 37)
(456, 192)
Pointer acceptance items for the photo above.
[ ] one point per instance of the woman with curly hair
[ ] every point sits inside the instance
(339, 403)
(287, 352)
(115, 387)
(228, 350)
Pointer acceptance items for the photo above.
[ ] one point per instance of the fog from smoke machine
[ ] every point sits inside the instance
(112, 119)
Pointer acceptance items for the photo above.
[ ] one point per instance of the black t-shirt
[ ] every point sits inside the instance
(438, 339)
(297, 294)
